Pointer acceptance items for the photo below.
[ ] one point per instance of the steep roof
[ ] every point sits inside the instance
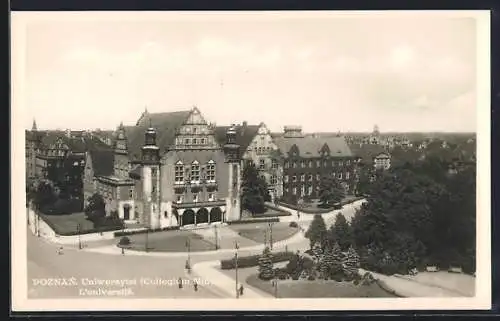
(166, 125)
(102, 162)
(244, 135)
(310, 146)
(367, 151)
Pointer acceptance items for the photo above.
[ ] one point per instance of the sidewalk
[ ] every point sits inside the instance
(209, 271)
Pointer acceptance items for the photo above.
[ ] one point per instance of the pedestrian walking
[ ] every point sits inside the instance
(123, 251)
(195, 285)
(60, 250)
(241, 289)
(180, 283)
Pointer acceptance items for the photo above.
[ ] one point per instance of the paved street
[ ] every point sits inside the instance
(139, 273)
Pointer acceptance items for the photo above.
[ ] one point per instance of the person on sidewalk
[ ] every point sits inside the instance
(60, 250)
(195, 285)
(180, 282)
(241, 289)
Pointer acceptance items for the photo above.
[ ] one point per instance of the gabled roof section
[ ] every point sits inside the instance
(244, 135)
(102, 162)
(311, 146)
(166, 125)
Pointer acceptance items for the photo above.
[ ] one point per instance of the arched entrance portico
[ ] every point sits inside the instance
(188, 217)
(202, 216)
(216, 215)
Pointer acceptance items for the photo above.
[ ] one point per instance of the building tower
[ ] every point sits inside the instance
(150, 161)
(121, 160)
(34, 128)
(232, 152)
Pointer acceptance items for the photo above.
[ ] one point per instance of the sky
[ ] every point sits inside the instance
(325, 73)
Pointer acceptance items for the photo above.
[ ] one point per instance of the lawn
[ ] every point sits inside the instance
(257, 231)
(67, 224)
(170, 241)
(313, 206)
(318, 289)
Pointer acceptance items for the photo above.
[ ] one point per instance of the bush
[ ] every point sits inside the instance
(293, 224)
(311, 278)
(253, 260)
(295, 276)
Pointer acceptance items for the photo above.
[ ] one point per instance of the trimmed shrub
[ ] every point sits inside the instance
(124, 241)
(295, 276)
(265, 261)
(253, 260)
(311, 277)
(293, 224)
(169, 228)
(255, 220)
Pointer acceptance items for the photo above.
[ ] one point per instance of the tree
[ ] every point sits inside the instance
(316, 231)
(96, 207)
(317, 251)
(266, 271)
(351, 262)
(340, 232)
(330, 191)
(331, 263)
(45, 195)
(254, 190)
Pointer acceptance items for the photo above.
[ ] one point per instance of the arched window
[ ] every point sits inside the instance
(211, 171)
(179, 172)
(195, 171)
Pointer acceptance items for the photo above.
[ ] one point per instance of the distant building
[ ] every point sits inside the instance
(307, 158)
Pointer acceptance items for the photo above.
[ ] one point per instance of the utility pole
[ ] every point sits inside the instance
(236, 247)
(275, 283)
(79, 231)
(147, 240)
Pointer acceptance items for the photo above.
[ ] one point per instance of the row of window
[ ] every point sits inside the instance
(319, 163)
(306, 191)
(193, 174)
(196, 198)
(262, 164)
(195, 141)
(310, 177)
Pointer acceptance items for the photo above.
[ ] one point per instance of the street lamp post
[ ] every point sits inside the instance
(147, 240)
(275, 285)
(236, 247)
(188, 262)
(216, 237)
(79, 231)
(271, 234)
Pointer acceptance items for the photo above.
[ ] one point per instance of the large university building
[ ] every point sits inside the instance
(308, 157)
(169, 170)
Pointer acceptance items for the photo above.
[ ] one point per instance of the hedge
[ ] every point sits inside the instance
(255, 220)
(63, 206)
(73, 233)
(320, 210)
(253, 260)
(143, 231)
